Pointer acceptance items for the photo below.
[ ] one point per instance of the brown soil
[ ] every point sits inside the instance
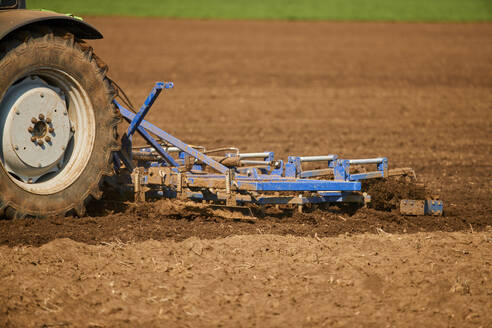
(419, 94)
(436, 279)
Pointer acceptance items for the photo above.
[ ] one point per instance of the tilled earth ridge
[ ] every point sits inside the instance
(424, 279)
(178, 220)
(419, 94)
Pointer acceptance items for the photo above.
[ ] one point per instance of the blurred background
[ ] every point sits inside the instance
(360, 10)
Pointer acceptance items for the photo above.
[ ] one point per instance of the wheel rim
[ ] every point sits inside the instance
(47, 131)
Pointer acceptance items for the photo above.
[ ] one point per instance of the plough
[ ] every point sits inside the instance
(170, 168)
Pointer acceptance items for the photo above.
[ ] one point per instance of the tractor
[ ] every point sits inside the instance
(59, 140)
(58, 125)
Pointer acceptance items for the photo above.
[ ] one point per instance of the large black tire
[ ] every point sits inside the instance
(47, 49)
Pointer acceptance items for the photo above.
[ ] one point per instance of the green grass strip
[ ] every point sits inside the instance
(346, 10)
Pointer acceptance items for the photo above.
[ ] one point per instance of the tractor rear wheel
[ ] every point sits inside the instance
(58, 125)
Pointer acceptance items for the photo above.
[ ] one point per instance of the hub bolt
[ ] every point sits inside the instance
(16, 147)
(34, 120)
(30, 129)
(51, 130)
(33, 139)
(48, 120)
(40, 142)
(48, 139)
(41, 117)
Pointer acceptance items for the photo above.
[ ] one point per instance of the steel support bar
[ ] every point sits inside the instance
(279, 200)
(367, 161)
(254, 155)
(157, 147)
(251, 162)
(293, 200)
(273, 184)
(318, 158)
(367, 175)
(129, 116)
(135, 123)
(301, 185)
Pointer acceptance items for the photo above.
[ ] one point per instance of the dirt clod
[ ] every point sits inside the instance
(387, 193)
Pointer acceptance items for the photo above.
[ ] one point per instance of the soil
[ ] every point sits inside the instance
(425, 279)
(418, 94)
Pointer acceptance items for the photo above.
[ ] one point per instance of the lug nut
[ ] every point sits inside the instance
(48, 139)
(30, 129)
(48, 120)
(51, 130)
(40, 142)
(33, 139)
(41, 117)
(34, 120)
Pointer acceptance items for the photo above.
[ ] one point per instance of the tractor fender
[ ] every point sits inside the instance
(12, 20)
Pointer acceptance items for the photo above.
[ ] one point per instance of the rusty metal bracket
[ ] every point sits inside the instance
(138, 186)
(421, 207)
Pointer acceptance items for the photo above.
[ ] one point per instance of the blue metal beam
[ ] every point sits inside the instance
(157, 147)
(300, 185)
(135, 123)
(129, 116)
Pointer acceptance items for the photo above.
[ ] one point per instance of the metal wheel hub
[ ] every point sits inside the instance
(37, 129)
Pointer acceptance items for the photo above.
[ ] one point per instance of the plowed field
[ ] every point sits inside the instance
(419, 94)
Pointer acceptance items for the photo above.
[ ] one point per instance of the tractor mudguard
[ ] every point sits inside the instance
(12, 20)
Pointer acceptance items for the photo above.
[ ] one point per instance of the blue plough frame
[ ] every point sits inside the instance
(172, 168)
